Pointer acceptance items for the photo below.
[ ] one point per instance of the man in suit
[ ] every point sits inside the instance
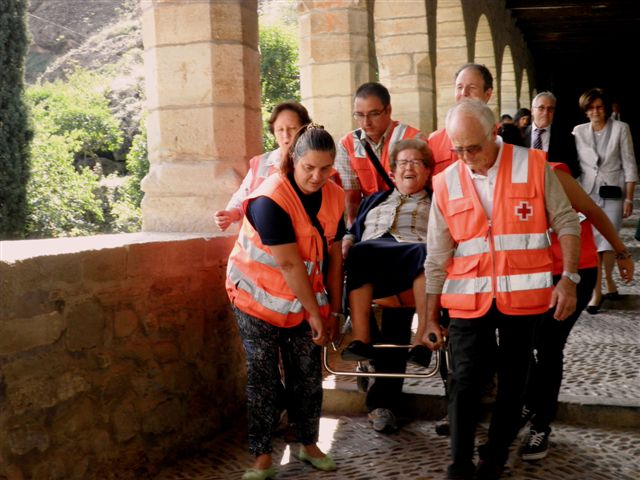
(544, 135)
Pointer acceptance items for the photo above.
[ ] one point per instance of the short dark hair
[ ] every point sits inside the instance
(292, 105)
(374, 89)
(412, 144)
(310, 137)
(588, 97)
(482, 70)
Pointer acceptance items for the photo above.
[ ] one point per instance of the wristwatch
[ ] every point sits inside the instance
(574, 277)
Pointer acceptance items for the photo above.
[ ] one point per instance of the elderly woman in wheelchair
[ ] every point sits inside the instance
(385, 248)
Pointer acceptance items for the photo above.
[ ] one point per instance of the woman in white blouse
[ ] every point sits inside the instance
(609, 175)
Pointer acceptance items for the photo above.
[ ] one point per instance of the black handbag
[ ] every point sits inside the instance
(610, 191)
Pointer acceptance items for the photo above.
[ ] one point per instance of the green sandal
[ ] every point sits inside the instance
(326, 463)
(258, 474)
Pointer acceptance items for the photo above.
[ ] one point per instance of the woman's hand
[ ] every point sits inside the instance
(224, 218)
(347, 243)
(318, 331)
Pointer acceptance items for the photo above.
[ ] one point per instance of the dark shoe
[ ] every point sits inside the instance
(383, 420)
(455, 472)
(536, 446)
(593, 309)
(420, 355)
(357, 351)
(442, 427)
(613, 296)
(488, 470)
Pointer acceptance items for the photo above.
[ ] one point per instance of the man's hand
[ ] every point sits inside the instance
(318, 333)
(563, 298)
(347, 243)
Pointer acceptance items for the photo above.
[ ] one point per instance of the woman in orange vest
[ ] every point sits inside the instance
(285, 120)
(541, 399)
(284, 280)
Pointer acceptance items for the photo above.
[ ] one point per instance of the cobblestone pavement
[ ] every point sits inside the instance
(602, 366)
(417, 453)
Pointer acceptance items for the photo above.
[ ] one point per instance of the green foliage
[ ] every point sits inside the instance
(62, 200)
(280, 75)
(15, 131)
(78, 107)
(127, 199)
(73, 123)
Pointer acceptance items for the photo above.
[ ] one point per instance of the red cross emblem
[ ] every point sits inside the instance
(524, 211)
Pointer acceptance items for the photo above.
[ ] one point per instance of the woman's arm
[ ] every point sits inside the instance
(583, 203)
(290, 263)
(335, 280)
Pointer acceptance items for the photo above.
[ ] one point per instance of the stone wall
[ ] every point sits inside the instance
(116, 352)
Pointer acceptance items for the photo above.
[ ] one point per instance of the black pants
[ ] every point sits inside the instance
(551, 337)
(395, 328)
(476, 356)
(303, 380)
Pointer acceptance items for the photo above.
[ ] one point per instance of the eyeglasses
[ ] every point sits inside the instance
(471, 150)
(406, 162)
(359, 116)
(542, 108)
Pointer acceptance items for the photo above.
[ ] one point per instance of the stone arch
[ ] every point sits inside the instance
(402, 47)
(484, 54)
(524, 99)
(451, 53)
(508, 88)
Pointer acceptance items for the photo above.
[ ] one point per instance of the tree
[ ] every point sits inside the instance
(15, 131)
(279, 72)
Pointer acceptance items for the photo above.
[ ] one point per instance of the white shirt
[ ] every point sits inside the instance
(486, 184)
(546, 136)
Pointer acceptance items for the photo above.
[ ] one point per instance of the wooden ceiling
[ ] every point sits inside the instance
(562, 30)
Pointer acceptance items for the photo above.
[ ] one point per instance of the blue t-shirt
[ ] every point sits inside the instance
(274, 224)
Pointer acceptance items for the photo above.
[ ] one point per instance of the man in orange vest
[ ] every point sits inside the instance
(360, 174)
(472, 80)
(362, 162)
(489, 262)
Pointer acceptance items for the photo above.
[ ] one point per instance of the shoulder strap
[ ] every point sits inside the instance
(376, 163)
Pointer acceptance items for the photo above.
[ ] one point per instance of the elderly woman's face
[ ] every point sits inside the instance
(285, 128)
(410, 174)
(312, 170)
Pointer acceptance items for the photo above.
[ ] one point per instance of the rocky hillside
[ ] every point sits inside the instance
(99, 35)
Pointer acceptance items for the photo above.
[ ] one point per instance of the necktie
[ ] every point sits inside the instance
(537, 143)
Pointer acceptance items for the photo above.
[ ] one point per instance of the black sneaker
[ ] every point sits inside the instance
(358, 351)
(536, 446)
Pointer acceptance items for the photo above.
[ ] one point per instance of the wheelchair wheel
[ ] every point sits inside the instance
(363, 382)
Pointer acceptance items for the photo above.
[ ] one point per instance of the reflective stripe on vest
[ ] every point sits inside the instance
(258, 255)
(520, 165)
(511, 283)
(276, 304)
(503, 243)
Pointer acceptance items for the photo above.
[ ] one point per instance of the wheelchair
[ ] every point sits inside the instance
(364, 371)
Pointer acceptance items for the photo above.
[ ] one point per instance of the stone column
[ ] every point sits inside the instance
(203, 91)
(334, 59)
(402, 48)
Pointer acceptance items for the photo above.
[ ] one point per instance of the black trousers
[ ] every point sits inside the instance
(395, 328)
(476, 356)
(551, 337)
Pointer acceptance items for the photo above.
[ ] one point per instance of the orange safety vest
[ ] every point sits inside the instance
(508, 257)
(588, 250)
(440, 146)
(254, 282)
(370, 180)
(262, 166)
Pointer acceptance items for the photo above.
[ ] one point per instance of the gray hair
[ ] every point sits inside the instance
(547, 94)
(472, 108)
